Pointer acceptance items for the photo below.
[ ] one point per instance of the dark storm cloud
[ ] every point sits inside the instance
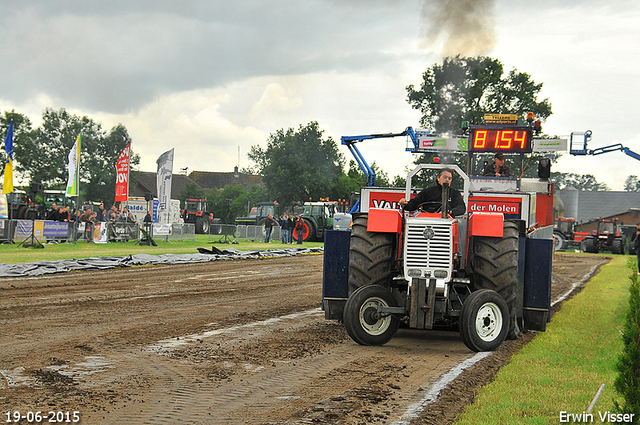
(116, 56)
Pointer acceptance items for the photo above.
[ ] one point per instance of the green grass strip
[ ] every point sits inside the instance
(14, 254)
(563, 368)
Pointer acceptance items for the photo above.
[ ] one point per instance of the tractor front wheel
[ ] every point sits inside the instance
(590, 244)
(484, 320)
(364, 324)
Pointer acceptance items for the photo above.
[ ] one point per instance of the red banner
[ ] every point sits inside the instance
(122, 175)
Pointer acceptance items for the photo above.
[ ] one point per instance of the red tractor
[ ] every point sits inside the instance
(565, 235)
(487, 272)
(608, 236)
(195, 211)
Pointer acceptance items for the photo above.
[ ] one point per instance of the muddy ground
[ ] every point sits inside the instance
(228, 342)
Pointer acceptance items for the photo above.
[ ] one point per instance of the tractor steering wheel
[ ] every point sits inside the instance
(431, 206)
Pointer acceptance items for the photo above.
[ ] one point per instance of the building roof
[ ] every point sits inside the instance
(145, 182)
(209, 180)
(588, 205)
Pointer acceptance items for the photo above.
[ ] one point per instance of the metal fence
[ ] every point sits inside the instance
(47, 231)
(257, 233)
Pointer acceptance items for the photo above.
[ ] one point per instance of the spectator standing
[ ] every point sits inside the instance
(85, 217)
(126, 216)
(300, 229)
(635, 243)
(88, 225)
(284, 224)
(52, 214)
(268, 227)
(292, 224)
(112, 214)
(63, 213)
(101, 217)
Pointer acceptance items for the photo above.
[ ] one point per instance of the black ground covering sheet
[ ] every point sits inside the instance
(100, 263)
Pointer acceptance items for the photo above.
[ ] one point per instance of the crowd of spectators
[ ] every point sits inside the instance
(87, 215)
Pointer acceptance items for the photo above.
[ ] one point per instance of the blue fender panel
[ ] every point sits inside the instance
(537, 283)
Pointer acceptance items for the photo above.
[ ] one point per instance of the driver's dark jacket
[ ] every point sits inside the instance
(434, 194)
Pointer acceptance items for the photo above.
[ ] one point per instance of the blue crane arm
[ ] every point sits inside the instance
(350, 141)
(577, 149)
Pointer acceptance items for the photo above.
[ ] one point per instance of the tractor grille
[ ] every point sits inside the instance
(432, 253)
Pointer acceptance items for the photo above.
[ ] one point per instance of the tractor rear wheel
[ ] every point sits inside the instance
(216, 226)
(618, 246)
(202, 225)
(559, 241)
(21, 213)
(361, 318)
(370, 255)
(484, 320)
(495, 267)
(309, 233)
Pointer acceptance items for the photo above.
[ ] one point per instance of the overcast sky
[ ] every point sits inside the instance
(212, 78)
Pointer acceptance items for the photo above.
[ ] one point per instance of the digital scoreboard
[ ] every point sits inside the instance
(507, 139)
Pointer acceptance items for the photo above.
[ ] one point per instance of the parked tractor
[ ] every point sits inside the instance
(195, 211)
(565, 235)
(607, 236)
(259, 214)
(26, 206)
(318, 218)
(51, 196)
(18, 203)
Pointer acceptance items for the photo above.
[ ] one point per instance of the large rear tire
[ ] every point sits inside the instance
(560, 242)
(308, 232)
(202, 225)
(21, 213)
(370, 255)
(484, 320)
(618, 246)
(361, 319)
(495, 267)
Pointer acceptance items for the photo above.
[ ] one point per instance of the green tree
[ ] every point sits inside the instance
(627, 383)
(298, 165)
(632, 184)
(464, 89)
(21, 133)
(241, 200)
(577, 181)
(191, 191)
(43, 156)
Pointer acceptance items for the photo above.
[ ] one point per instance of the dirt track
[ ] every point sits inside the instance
(227, 342)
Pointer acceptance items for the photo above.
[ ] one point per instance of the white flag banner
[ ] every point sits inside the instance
(74, 156)
(163, 182)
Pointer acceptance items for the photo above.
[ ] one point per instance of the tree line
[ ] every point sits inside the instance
(41, 154)
(298, 164)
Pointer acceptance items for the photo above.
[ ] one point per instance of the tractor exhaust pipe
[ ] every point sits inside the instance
(445, 199)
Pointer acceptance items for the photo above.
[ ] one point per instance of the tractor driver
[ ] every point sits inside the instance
(433, 194)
